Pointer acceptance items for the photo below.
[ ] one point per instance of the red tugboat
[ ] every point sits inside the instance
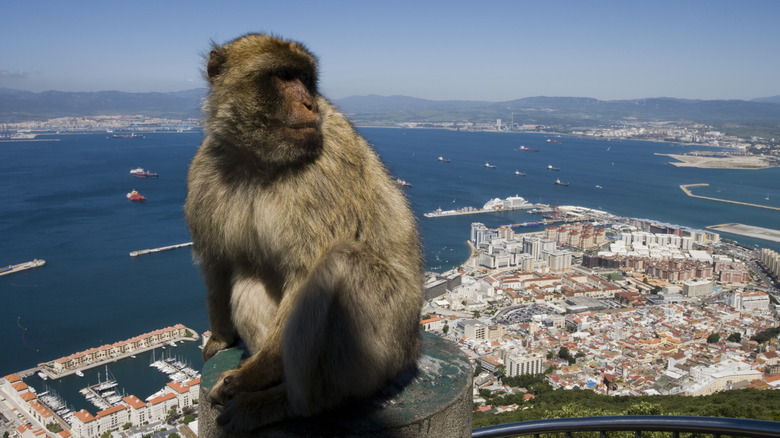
(136, 197)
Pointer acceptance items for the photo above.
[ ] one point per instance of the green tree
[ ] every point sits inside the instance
(54, 427)
(173, 412)
(174, 435)
(446, 328)
(735, 337)
(188, 419)
(713, 338)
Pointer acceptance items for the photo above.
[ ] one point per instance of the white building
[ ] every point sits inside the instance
(699, 288)
(748, 300)
(521, 364)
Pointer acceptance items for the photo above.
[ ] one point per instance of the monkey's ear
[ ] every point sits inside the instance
(217, 59)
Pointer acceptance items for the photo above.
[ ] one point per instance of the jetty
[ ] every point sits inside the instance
(22, 266)
(685, 189)
(162, 248)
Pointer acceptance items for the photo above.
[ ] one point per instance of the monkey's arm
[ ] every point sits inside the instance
(218, 282)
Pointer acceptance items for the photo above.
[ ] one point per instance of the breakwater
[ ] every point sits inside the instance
(160, 249)
(685, 189)
(22, 266)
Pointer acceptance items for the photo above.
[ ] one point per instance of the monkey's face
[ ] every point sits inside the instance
(264, 98)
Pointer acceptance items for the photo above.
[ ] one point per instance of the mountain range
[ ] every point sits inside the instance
(762, 113)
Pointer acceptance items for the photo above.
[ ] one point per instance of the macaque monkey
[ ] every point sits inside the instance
(309, 251)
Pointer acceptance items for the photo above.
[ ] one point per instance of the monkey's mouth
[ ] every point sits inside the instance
(303, 126)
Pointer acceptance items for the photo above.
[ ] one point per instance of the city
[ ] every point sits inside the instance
(638, 307)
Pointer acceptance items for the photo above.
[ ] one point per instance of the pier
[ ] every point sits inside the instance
(685, 190)
(162, 248)
(22, 266)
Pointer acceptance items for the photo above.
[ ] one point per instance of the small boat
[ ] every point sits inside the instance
(43, 375)
(139, 172)
(79, 373)
(558, 182)
(490, 166)
(767, 197)
(599, 187)
(525, 149)
(518, 173)
(551, 167)
(444, 160)
(136, 197)
(554, 140)
(402, 183)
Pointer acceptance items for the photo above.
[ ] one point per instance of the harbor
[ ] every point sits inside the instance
(494, 205)
(162, 248)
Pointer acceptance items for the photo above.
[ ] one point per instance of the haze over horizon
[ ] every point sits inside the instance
(490, 51)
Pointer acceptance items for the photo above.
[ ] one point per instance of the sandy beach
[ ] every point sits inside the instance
(743, 162)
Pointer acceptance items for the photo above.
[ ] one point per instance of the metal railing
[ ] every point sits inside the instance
(675, 425)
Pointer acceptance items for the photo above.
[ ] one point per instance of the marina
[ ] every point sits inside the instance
(163, 248)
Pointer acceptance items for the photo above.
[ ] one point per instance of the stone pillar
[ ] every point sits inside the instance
(436, 402)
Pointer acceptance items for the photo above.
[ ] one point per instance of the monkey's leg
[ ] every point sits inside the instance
(218, 284)
(348, 329)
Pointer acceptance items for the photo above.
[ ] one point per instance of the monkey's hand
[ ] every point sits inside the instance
(214, 345)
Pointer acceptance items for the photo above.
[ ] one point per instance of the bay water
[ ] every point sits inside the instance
(63, 199)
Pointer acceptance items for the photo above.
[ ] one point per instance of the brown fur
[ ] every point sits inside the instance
(309, 251)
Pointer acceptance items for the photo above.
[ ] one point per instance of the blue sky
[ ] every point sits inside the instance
(441, 50)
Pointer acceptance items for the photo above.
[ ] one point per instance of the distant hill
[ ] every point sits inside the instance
(17, 105)
(757, 116)
(560, 110)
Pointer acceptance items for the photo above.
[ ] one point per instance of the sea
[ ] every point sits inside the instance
(63, 199)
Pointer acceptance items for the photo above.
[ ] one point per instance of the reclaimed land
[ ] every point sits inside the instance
(733, 162)
(749, 231)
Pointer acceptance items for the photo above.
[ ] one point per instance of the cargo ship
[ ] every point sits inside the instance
(558, 182)
(551, 167)
(129, 135)
(525, 149)
(135, 196)
(141, 173)
(490, 166)
(444, 160)
(518, 173)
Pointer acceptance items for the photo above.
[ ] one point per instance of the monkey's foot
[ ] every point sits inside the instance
(246, 411)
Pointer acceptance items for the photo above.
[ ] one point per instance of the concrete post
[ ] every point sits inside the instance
(436, 402)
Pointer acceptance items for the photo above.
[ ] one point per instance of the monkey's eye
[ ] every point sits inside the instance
(285, 75)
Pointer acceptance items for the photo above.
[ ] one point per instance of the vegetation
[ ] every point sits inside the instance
(54, 427)
(766, 335)
(745, 403)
